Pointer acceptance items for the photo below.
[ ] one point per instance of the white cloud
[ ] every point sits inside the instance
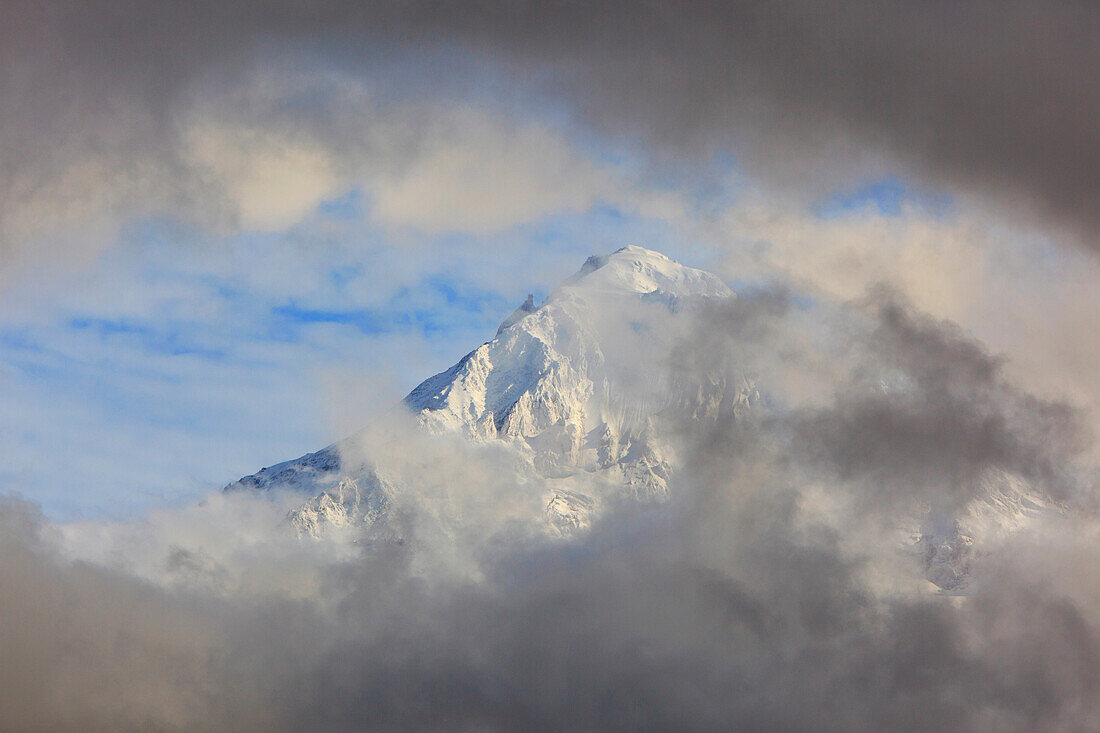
(273, 180)
(1028, 297)
(264, 153)
(476, 174)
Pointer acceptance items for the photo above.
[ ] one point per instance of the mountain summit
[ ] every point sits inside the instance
(633, 269)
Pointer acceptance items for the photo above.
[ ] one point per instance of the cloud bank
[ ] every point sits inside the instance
(757, 597)
(993, 98)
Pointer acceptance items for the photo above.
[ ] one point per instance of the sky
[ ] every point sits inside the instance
(232, 234)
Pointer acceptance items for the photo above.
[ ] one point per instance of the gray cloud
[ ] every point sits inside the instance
(86, 648)
(927, 412)
(996, 98)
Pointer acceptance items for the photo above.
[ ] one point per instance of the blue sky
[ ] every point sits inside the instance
(887, 196)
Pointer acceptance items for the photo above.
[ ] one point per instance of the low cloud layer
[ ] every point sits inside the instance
(756, 597)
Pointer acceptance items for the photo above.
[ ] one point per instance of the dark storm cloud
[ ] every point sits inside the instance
(907, 407)
(999, 98)
(87, 649)
(928, 411)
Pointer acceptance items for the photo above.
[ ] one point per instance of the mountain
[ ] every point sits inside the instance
(577, 390)
(551, 385)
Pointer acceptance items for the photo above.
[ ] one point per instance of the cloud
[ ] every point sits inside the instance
(743, 601)
(1025, 296)
(109, 95)
(264, 152)
(86, 647)
(801, 93)
(477, 176)
(756, 595)
(274, 182)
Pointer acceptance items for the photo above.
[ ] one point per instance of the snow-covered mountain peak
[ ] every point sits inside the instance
(567, 384)
(635, 269)
(554, 369)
